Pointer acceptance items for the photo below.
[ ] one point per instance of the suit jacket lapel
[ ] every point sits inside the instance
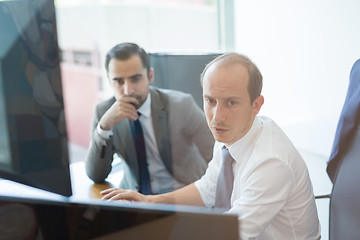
(161, 127)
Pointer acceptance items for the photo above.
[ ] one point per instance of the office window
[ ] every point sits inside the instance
(87, 29)
(82, 58)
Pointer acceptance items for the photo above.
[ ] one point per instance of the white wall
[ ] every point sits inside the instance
(305, 50)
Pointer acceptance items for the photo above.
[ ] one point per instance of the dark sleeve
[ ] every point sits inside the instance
(349, 119)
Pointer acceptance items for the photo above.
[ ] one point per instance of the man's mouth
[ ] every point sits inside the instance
(220, 130)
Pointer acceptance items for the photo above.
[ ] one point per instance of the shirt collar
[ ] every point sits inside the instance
(145, 108)
(242, 145)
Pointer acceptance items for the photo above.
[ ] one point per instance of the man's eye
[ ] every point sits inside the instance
(137, 78)
(232, 103)
(210, 101)
(118, 82)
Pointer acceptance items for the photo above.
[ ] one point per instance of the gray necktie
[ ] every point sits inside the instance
(225, 181)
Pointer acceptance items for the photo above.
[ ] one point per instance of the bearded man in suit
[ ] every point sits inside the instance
(178, 143)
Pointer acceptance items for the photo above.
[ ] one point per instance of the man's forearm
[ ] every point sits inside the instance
(99, 159)
(188, 195)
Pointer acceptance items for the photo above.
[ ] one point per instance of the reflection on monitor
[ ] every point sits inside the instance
(33, 140)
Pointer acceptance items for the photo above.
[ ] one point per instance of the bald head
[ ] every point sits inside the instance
(255, 77)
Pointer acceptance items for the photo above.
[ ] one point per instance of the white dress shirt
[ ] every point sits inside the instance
(272, 193)
(160, 178)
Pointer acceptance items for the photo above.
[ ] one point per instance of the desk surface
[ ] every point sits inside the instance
(83, 188)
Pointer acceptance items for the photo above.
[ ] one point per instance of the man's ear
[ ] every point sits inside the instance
(257, 104)
(151, 75)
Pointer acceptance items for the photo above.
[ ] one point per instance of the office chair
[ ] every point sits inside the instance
(344, 166)
(180, 71)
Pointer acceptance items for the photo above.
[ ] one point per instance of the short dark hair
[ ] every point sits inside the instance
(124, 51)
(255, 77)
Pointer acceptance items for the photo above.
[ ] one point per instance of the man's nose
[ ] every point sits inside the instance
(218, 114)
(128, 88)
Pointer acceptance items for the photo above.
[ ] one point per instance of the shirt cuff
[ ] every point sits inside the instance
(105, 134)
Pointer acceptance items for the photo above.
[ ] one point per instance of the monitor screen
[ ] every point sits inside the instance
(33, 139)
(45, 219)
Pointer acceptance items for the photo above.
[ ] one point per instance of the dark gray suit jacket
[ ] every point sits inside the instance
(183, 138)
(348, 122)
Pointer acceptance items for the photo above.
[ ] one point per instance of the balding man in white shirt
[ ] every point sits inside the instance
(270, 189)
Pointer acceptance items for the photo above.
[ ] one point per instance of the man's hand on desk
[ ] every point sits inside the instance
(121, 194)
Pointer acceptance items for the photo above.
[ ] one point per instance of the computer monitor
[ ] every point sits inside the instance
(45, 219)
(33, 139)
